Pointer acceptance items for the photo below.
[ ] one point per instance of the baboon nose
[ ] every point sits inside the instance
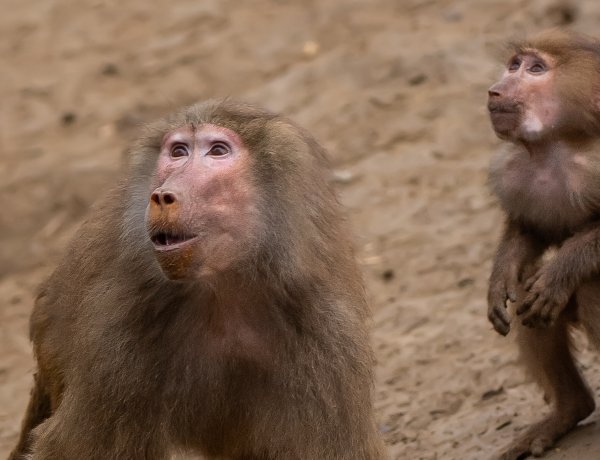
(163, 198)
(494, 91)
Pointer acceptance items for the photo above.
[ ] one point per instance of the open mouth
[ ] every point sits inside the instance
(167, 240)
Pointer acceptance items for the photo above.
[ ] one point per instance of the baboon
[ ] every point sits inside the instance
(211, 304)
(547, 106)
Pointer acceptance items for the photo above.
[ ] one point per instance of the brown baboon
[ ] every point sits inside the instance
(547, 106)
(210, 304)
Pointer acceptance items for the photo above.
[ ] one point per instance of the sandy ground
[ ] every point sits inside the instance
(394, 89)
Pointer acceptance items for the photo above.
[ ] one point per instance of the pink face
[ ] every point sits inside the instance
(523, 104)
(202, 211)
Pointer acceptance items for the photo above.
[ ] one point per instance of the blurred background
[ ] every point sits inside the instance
(395, 90)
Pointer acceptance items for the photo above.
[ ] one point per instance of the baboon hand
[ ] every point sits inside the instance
(545, 298)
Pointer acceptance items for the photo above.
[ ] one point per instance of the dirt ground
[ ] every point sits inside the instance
(394, 89)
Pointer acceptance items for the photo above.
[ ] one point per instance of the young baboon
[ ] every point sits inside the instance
(211, 304)
(547, 106)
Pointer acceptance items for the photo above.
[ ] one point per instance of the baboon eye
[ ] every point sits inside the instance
(537, 68)
(218, 150)
(179, 150)
(514, 64)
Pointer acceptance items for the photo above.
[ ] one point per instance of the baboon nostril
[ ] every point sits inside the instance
(168, 198)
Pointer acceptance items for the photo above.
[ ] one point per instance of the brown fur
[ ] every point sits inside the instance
(548, 182)
(134, 365)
